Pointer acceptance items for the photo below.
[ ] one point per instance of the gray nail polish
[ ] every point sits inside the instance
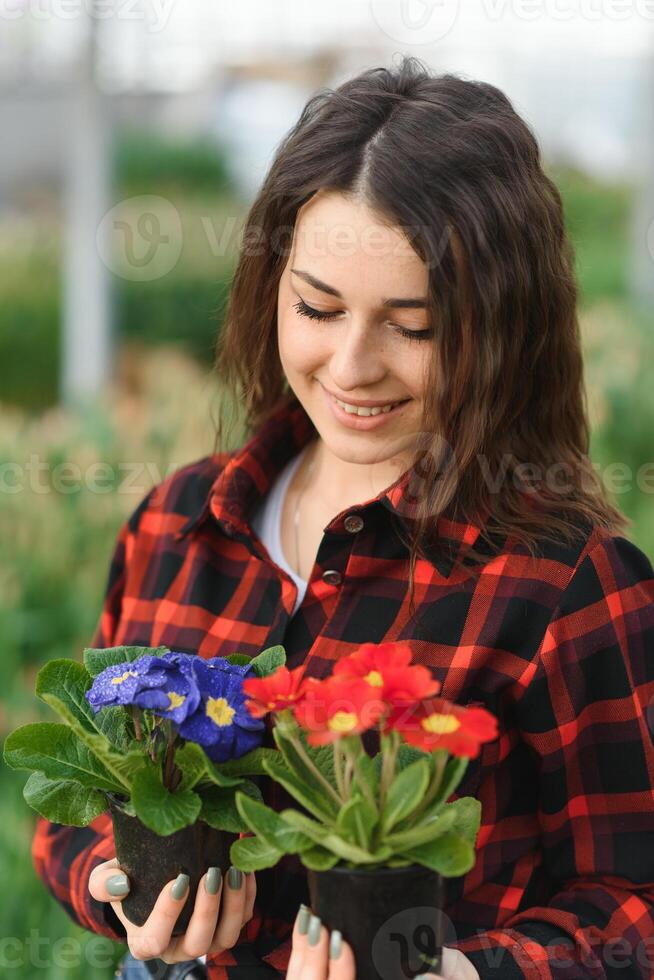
(335, 945)
(118, 885)
(314, 930)
(212, 880)
(234, 877)
(303, 919)
(179, 886)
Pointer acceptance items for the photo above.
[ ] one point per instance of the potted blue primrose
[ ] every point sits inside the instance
(161, 739)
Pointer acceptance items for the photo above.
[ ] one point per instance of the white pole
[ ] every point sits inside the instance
(642, 264)
(86, 327)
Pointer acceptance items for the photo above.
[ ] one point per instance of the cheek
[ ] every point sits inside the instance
(302, 348)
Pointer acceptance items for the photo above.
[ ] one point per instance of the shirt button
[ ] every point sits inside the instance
(353, 523)
(332, 577)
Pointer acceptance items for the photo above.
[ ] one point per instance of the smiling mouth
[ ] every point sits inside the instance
(365, 412)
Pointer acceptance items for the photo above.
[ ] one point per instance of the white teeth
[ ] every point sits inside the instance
(354, 410)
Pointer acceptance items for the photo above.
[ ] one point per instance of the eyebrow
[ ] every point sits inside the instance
(396, 303)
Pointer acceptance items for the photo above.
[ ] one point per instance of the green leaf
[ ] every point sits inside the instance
(192, 760)
(467, 819)
(451, 855)
(253, 854)
(424, 831)
(405, 793)
(452, 775)
(297, 789)
(62, 684)
(327, 838)
(304, 774)
(219, 808)
(55, 751)
(249, 764)
(268, 661)
(318, 858)
(63, 801)
(98, 659)
(197, 767)
(357, 821)
(369, 774)
(161, 811)
(406, 755)
(269, 826)
(238, 658)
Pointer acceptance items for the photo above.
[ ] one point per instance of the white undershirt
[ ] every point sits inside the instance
(267, 523)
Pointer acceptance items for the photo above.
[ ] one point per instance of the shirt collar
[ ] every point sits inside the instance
(251, 471)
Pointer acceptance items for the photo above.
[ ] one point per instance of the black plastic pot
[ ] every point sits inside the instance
(150, 861)
(390, 916)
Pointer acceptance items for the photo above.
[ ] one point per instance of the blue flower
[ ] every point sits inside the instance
(179, 696)
(222, 725)
(120, 683)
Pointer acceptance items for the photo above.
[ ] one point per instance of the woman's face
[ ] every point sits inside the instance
(376, 341)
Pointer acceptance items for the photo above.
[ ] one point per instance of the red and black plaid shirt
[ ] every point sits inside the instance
(560, 647)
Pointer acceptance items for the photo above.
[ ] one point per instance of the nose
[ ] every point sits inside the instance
(356, 362)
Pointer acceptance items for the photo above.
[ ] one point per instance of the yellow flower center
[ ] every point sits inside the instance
(342, 721)
(175, 700)
(375, 678)
(123, 677)
(220, 711)
(440, 724)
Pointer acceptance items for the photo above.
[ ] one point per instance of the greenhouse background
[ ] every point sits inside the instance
(134, 139)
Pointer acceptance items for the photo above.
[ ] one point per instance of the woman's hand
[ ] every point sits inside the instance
(319, 955)
(215, 924)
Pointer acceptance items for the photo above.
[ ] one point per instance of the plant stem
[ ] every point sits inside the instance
(390, 745)
(440, 761)
(308, 761)
(168, 765)
(338, 769)
(351, 753)
(137, 723)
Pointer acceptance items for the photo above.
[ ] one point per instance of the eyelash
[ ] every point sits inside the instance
(305, 310)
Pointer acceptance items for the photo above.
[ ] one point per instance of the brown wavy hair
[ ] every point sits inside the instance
(451, 163)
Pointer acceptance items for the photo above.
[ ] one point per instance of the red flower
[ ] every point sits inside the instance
(336, 707)
(439, 724)
(387, 667)
(279, 690)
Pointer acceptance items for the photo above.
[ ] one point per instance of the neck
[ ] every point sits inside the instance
(342, 484)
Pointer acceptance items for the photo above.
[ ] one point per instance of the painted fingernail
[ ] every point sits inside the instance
(303, 916)
(179, 886)
(314, 930)
(234, 877)
(212, 880)
(118, 885)
(335, 944)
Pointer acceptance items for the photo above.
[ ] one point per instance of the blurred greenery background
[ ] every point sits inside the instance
(57, 545)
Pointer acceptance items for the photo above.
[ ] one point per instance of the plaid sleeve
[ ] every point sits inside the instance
(587, 714)
(63, 856)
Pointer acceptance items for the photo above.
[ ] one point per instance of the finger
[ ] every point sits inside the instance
(341, 958)
(108, 881)
(202, 924)
(315, 963)
(299, 942)
(250, 896)
(153, 938)
(230, 921)
(455, 965)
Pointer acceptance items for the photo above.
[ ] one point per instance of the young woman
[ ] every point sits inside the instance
(402, 339)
